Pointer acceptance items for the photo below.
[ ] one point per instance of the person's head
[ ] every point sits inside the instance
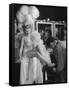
(47, 33)
(28, 25)
(26, 17)
(41, 32)
(52, 43)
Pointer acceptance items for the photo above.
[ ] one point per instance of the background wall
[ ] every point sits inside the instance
(54, 13)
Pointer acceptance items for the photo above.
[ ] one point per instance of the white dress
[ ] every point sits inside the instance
(31, 68)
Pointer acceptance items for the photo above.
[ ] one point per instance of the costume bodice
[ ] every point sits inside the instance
(28, 45)
(31, 43)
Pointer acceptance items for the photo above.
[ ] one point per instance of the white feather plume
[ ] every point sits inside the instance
(25, 11)
(20, 17)
(34, 12)
(22, 13)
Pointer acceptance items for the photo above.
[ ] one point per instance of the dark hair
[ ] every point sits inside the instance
(52, 40)
(49, 31)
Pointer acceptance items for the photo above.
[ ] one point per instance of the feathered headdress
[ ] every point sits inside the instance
(34, 12)
(22, 13)
(25, 11)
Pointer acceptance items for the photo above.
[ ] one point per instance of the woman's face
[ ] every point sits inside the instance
(27, 28)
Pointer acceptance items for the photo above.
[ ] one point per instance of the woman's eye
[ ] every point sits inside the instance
(28, 26)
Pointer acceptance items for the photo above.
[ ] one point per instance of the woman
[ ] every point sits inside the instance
(33, 54)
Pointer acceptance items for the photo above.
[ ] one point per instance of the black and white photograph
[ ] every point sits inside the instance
(37, 44)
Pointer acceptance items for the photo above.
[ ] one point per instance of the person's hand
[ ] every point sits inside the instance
(31, 54)
(50, 50)
(51, 64)
(54, 69)
(18, 61)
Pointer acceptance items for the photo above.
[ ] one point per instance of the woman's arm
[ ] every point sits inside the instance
(43, 55)
(41, 52)
(21, 50)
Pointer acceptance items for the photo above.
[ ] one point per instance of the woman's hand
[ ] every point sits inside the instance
(32, 54)
(54, 69)
(18, 61)
(51, 64)
(42, 59)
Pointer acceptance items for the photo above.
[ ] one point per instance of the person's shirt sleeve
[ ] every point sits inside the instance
(60, 58)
